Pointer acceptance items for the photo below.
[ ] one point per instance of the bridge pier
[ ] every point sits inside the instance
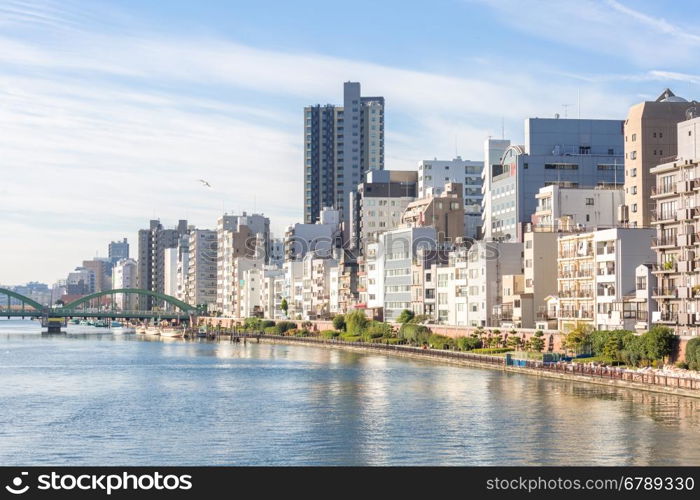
(53, 325)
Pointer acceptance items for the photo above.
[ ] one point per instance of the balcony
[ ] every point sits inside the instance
(667, 189)
(667, 267)
(576, 294)
(588, 273)
(685, 214)
(686, 266)
(685, 186)
(662, 217)
(686, 240)
(664, 241)
(575, 314)
(664, 292)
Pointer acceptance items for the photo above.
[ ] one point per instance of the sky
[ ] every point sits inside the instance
(111, 111)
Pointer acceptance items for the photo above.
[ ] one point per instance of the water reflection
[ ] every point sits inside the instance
(98, 398)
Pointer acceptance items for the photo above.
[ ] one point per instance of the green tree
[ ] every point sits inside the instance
(356, 322)
(339, 322)
(660, 342)
(284, 306)
(633, 352)
(578, 339)
(692, 353)
(405, 316)
(537, 341)
(514, 342)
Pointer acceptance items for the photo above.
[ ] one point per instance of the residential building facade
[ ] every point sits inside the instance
(341, 144)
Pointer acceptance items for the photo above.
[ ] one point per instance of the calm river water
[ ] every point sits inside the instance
(101, 399)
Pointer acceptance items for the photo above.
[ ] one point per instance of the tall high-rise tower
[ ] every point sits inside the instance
(341, 144)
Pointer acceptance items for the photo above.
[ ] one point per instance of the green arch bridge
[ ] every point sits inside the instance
(94, 306)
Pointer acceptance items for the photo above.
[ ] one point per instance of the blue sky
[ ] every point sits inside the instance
(110, 111)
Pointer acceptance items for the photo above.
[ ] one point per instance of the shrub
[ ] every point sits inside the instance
(492, 350)
(252, 324)
(682, 365)
(270, 330)
(267, 323)
(440, 341)
(468, 343)
(414, 334)
(692, 354)
(377, 329)
(339, 322)
(329, 334)
(350, 338)
(283, 326)
(356, 322)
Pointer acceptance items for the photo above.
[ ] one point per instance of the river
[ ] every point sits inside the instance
(89, 398)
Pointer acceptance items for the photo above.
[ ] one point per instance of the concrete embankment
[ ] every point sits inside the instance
(671, 385)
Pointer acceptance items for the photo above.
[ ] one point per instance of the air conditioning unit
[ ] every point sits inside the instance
(623, 214)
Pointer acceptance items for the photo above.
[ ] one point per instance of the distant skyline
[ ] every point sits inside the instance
(110, 112)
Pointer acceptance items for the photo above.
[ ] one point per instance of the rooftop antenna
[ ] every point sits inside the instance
(578, 101)
(503, 127)
(566, 109)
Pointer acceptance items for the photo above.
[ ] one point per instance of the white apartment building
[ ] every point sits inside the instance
(294, 288)
(571, 208)
(596, 270)
(487, 263)
(124, 276)
(316, 282)
(272, 292)
(396, 254)
(320, 238)
(434, 174)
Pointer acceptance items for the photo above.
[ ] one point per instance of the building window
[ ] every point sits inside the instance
(589, 201)
(634, 207)
(634, 137)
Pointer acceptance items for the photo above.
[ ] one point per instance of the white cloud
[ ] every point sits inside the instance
(608, 27)
(98, 127)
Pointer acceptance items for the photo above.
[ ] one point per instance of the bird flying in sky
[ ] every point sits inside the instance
(204, 183)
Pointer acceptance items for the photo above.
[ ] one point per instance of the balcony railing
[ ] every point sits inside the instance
(576, 294)
(575, 314)
(664, 189)
(663, 241)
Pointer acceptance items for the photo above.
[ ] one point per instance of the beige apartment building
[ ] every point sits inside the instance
(675, 216)
(444, 212)
(650, 139)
